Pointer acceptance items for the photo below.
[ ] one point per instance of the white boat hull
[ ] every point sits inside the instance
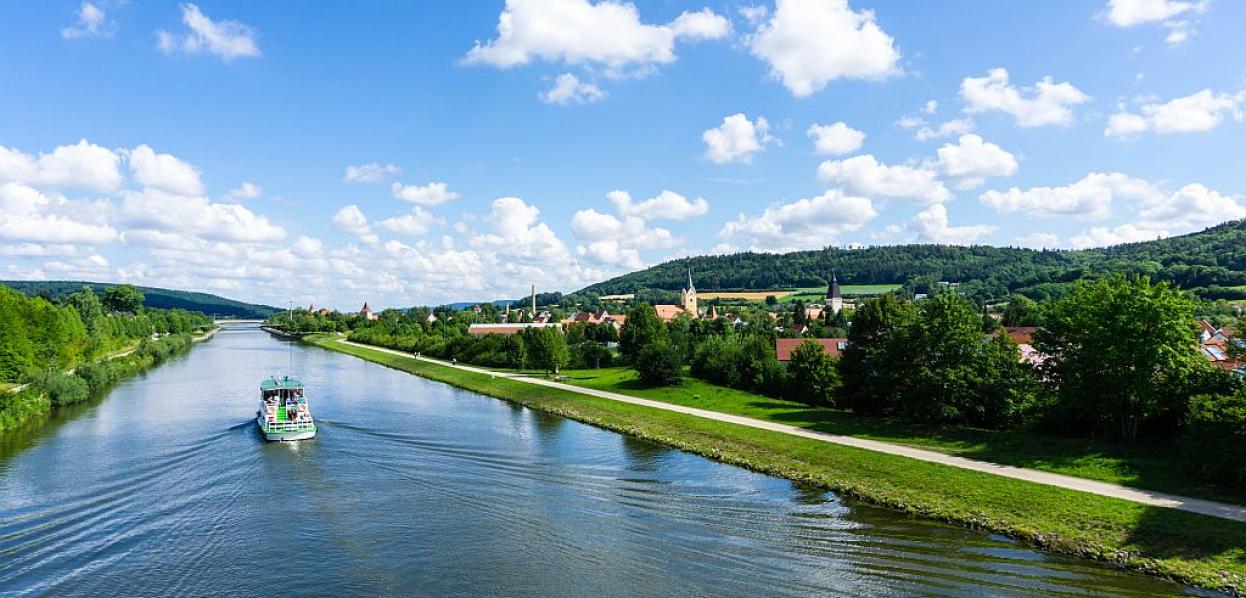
(283, 435)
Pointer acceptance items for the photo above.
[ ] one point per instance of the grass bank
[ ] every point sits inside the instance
(1192, 548)
(1160, 468)
(52, 390)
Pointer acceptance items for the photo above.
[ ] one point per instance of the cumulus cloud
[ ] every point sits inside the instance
(1089, 198)
(865, 175)
(835, 139)
(351, 219)
(810, 43)
(568, 89)
(667, 205)
(29, 215)
(608, 239)
(802, 224)
(972, 159)
(246, 190)
(1101, 236)
(92, 22)
(1191, 206)
(416, 223)
(227, 39)
(1039, 240)
(164, 171)
(931, 226)
(1200, 111)
(737, 139)
(196, 216)
(83, 165)
(432, 194)
(578, 32)
(1131, 13)
(370, 173)
(1046, 103)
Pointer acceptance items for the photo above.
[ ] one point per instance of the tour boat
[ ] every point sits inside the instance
(284, 414)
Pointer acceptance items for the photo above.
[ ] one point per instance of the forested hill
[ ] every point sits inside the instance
(1205, 261)
(152, 297)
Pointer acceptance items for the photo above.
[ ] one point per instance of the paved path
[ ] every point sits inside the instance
(1146, 497)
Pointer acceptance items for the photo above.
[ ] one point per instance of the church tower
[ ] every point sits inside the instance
(688, 297)
(834, 301)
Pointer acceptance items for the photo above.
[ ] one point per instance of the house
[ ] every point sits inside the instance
(1216, 346)
(598, 317)
(1023, 337)
(687, 304)
(366, 312)
(479, 330)
(833, 347)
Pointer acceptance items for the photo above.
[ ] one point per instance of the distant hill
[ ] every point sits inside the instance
(152, 297)
(1207, 262)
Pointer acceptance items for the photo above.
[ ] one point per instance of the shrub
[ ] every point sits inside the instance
(659, 364)
(60, 388)
(1215, 438)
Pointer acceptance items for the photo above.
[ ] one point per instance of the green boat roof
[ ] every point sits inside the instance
(275, 383)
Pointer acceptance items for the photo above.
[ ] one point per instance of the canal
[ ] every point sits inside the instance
(417, 488)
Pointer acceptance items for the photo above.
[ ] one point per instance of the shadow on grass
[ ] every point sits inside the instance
(1159, 467)
(1167, 533)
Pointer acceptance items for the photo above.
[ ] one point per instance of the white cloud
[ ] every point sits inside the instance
(370, 173)
(930, 107)
(227, 39)
(1100, 236)
(418, 222)
(432, 194)
(1200, 111)
(92, 22)
(810, 43)
(931, 226)
(352, 220)
(606, 239)
(835, 139)
(1047, 103)
(754, 14)
(802, 224)
(972, 159)
(164, 171)
(195, 216)
(1191, 206)
(737, 139)
(579, 32)
(517, 234)
(83, 165)
(28, 215)
(1131, 13)
(568, 89)
(246, 190)
(37, 249)
(668, 205)
(955, 126)
(1128, 13)
(1089, 198)
(865, 175)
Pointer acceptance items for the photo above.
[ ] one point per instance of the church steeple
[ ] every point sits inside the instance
(690, 287)
(834, 301)
(688, 297)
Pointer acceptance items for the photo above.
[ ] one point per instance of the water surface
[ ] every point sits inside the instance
(416, 488)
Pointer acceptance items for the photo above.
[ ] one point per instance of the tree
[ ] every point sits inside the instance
(1021, 311)
(123, 298)
(1215, 438)
(1119, 351)
(641, 329)
(659, 364)
(771, 300)
(811, 375)
(867, 370)
(546, 348)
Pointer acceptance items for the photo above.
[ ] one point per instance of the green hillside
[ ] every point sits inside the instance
(153, 297)
(1208, 262)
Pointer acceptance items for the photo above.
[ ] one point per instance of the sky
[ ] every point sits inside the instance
(412, 153)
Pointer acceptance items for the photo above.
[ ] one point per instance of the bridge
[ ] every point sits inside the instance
(231, 321)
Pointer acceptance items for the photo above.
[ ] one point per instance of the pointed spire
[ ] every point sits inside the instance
(832, 290)
(690, 287)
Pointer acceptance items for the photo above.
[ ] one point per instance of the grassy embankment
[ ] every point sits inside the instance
(1151, 467)
(1193, 548)
(40, 398)
(816, 294)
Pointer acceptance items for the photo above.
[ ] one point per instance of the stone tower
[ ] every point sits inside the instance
(688, 297)
(834, 301)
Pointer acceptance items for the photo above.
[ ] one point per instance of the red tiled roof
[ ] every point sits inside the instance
(831, 346)
(667, 313)
(1021, 334)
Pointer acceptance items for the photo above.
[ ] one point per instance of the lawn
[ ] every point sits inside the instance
(848, 290)
(1193, 548)
(1150, 467)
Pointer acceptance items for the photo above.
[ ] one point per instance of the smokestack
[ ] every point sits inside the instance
(534, 301)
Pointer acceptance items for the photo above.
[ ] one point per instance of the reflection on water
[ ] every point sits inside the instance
(413, 487)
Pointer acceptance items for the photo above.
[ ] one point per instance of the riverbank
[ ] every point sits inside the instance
(1192, 548)
(25, 405)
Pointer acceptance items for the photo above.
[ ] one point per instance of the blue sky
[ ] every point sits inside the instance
(559, 142)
